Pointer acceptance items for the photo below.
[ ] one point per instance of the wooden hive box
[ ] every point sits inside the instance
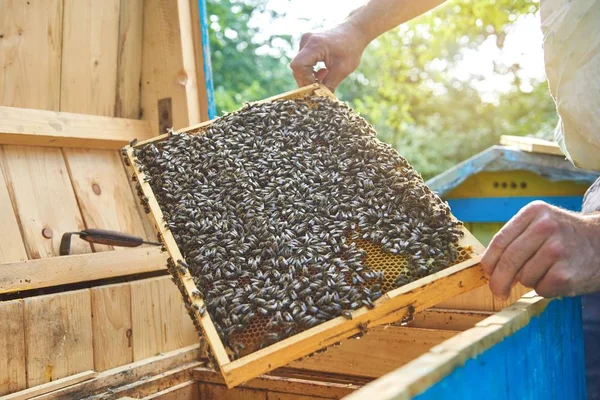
(532, 349)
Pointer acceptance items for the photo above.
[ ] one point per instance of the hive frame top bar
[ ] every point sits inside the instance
(391, 307)
(314, 89)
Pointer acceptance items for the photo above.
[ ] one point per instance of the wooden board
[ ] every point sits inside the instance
(128, 374)
(199, 53)
(421, 373)
(42, 195)
(478, 299)
(154, 383)
(216, 392)
(315, 387)
(532, 145)
(111, 323)
(23, 126)
(392, 307)
(103, 192)
(378, 352)
(129, 62)
(183, 391)
(163, 73)
(286, 396)
(454, 320)
(51, 386)
(11, 246)
(30, 53)
(58, 336)
(12, 347)
(36, 274)
(159, 320)
(89, 59)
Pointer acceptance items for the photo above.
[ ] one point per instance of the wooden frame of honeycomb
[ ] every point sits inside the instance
(393, 306)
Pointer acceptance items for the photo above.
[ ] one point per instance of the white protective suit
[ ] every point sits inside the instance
(571, 31)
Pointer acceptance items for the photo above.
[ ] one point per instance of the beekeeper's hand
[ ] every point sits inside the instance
(553, 251)
(340, 49)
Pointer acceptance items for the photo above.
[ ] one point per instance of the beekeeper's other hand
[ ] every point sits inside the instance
(554, 251)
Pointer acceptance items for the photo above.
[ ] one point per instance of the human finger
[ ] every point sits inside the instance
(513, 229)
(558, 281)
(538, 265)
(518, 252)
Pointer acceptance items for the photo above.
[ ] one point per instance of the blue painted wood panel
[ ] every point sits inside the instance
(502, 209)
(543, 360)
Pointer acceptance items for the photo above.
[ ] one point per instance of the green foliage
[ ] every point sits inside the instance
(434, 119)
(242, 70)
(406, 84)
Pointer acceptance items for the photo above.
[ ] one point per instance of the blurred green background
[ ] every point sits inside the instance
(439, 88)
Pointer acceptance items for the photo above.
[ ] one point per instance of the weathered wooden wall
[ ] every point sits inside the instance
(116, 58)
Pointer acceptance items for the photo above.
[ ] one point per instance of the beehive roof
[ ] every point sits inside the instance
(504, 158)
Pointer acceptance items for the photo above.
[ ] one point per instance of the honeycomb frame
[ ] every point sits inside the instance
(395, 303)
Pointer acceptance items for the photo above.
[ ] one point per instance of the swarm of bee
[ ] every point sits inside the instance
(270, 204)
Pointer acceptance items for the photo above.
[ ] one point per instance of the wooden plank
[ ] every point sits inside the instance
(217, 392)
(478, 299)
(532, 145)
(36, 274)
(270, 383)
(418, 375)
(23, 126)
(515, 294)
(163, 73)
(188, 58)
(129, 63)
(11, 245)
(128, 374)
(183, 391)
(111, 322)
(287, 396)
(199, 55)
(154, 383)
(103, 192)
(454, 320)
(30, 53)
(12, 347)
(159, 320)
(58, 336)
(51, 386)
(89, 60)
(381, 350)
(40, 190)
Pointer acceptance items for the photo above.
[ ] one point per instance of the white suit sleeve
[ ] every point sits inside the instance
(572, 55)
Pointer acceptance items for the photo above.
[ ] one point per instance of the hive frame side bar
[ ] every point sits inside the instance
(425, 371)
(187, 284)
(23, 126)
(393, 306)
